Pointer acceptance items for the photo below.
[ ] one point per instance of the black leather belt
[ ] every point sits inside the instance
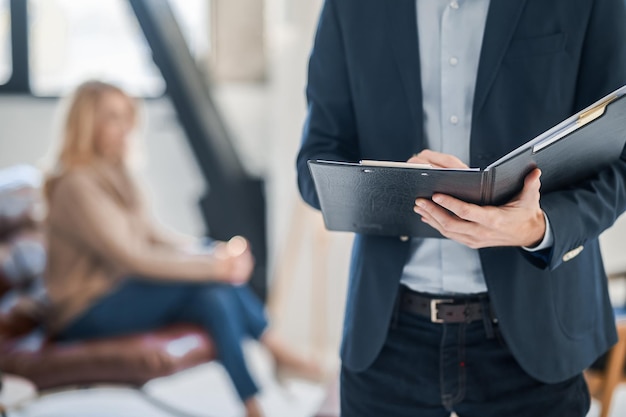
(445, 310)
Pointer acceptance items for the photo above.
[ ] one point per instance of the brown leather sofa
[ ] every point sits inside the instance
(24, 348)
(132, 360)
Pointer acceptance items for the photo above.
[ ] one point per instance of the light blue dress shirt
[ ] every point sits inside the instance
(450, 36)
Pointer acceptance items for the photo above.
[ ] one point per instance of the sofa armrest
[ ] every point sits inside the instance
(132, 360)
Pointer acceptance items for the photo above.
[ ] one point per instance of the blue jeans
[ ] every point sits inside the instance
(228, 313)
(429, 370)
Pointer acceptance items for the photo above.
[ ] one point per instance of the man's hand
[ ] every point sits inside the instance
(520, 222)
(437, 160)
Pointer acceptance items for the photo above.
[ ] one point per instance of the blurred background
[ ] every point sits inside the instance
(223, 87)
(249, 58)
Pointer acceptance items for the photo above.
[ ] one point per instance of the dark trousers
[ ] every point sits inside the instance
(228, 313)
(429, 370)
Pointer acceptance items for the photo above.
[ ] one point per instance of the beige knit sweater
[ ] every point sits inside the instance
(99, 233)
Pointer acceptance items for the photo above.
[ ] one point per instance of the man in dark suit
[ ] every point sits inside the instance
(501, 318)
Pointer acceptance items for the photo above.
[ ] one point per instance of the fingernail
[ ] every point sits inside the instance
(437, 199)
(420, 203)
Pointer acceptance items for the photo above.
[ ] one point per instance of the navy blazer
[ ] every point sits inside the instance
(541, 61)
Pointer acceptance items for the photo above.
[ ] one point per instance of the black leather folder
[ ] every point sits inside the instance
(377, 197)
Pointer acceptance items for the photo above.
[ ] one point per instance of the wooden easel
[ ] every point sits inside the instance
(304, 221)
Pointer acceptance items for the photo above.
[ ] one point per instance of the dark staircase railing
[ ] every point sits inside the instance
(235, 201)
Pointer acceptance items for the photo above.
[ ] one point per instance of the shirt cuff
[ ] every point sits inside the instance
(548, 238)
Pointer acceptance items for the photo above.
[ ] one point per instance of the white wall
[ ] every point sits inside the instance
(613, 243)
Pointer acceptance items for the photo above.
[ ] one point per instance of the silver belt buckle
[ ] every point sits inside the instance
(434, 304)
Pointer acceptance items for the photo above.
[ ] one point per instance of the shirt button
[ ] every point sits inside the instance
(454, 119)
(453, 61)
(454, 5)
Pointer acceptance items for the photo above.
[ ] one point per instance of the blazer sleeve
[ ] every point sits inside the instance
(91, 218)
(581, 213)
(329, 131)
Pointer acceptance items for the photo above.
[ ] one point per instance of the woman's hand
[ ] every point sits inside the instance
(233, 261)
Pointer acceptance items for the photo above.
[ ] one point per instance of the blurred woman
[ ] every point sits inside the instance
(112, 271)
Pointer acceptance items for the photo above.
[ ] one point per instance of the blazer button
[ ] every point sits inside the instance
(573, 253)
(404, 238)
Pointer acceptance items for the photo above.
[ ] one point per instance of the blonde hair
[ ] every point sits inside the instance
(77, 147)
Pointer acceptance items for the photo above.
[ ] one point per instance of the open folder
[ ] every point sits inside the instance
(377, 197)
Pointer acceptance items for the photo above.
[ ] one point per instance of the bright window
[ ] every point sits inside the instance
(193, 18)
(5, 42)
(75, 40)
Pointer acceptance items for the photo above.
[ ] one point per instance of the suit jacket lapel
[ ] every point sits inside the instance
(501, 23)
(402, 28)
